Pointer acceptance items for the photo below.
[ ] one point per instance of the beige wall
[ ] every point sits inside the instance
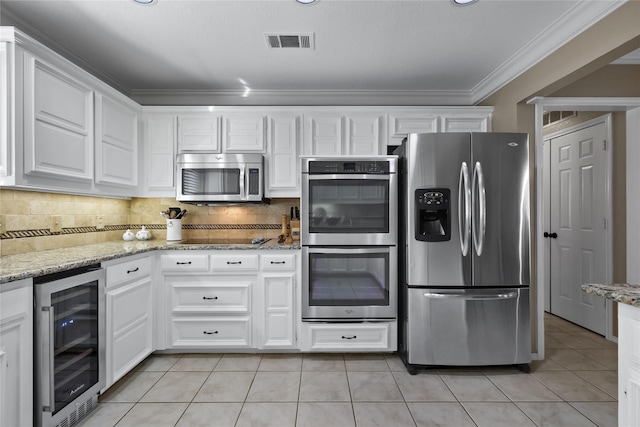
(28, 218)
(579, 65)
(607, 40)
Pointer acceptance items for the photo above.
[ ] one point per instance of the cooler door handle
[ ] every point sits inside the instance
(46, 363)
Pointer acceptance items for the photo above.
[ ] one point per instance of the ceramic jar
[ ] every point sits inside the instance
(128, 235)
(143, 234)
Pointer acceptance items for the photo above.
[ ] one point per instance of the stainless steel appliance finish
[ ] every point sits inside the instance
(464, 205)
(464, 327)
(349, 201)
(349, 283)
(349, 236)
(207, 178)
(69, 334)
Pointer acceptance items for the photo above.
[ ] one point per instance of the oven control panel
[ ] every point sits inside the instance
(346, 167)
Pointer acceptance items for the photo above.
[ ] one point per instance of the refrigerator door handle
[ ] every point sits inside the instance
(489, 296)
(480, 208)
(464, 203)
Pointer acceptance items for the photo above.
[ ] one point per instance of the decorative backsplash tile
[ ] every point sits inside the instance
(36, 221)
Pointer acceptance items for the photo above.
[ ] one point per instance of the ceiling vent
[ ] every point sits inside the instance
(287, 40)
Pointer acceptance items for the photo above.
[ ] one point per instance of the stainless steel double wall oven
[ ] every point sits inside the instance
(349, 238)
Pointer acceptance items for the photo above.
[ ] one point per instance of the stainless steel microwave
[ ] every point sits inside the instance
(207, 178)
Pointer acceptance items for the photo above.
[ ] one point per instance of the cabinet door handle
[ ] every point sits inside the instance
(134, 270)
(352, 337)
(234, 262)
(183, 263)
(278, 262)
(210, 333)
(209, 297)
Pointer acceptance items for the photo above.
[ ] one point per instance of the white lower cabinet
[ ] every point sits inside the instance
(628, 365)
(208, 299)
(129, 306)
(348, 337)
(277, 301)
(16, 354)
(230, 299)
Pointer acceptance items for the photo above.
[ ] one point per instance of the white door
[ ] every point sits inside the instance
(578, 211)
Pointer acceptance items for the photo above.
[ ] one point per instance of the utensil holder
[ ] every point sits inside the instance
(174, 229)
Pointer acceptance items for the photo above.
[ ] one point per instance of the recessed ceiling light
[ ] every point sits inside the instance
(306, 1)
(463, 2)
(145, 1)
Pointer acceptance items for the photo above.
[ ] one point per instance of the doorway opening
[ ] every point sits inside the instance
(577, 191)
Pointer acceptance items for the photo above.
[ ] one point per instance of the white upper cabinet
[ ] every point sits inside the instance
(465, 123)
(364, 134)
(323, 134)
(63, 130)
(160, 134)
(244, 133)
(281, 160)
(199, 132)
(58, 122)
(116, 142)
(6, 109)
(403, 123)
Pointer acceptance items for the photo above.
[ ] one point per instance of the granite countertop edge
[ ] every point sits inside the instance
(35, 264)
(626, 293)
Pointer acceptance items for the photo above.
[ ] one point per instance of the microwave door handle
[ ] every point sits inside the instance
(243, 193)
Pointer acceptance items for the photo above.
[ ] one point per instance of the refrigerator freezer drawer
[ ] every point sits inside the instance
(468, 327)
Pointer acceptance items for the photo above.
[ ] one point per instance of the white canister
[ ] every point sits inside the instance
(128, 235)
(174, 229)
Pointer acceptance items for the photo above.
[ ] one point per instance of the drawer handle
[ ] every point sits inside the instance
(352, 337)
(209, 297)
(278, 262)
(183, 263)
(134, 270)
(210, 333)
(234, 262)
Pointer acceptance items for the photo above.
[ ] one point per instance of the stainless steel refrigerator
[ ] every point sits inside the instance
(464, 258)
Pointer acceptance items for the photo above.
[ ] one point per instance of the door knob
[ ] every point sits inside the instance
(546, 235)
(553, 235)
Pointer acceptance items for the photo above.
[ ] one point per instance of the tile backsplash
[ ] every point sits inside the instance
(35, 221)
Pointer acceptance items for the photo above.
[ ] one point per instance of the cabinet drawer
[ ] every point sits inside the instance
(128, 271)
(345, 337)
(234, 262)
(186, 298)
(185, 262)
(279, 262)
(211, 331)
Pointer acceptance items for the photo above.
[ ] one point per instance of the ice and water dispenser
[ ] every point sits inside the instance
(433, 214)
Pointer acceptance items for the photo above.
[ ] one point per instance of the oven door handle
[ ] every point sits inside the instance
(371, 250)
(47, 363)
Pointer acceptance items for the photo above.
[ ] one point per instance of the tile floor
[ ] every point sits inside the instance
(576, 385)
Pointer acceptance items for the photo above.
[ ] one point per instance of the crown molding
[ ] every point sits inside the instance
(300, 97)
(579, 18)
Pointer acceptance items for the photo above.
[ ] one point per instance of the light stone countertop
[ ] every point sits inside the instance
(34, 264)
(625, 293)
